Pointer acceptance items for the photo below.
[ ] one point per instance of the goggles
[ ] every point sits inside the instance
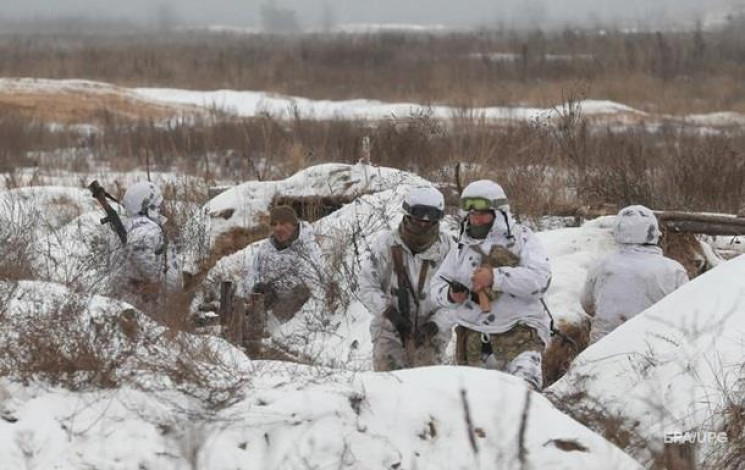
(480, 204)
(421, 212)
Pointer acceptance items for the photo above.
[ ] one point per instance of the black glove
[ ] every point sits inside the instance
(401, 323)
(425, 333)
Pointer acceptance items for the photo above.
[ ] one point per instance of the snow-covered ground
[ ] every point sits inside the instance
(257, 103)
(673, 367)
(294, 417)
(665, 369)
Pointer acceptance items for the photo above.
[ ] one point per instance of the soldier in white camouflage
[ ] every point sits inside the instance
(632, 279)
(287, 266)
(146, 266)
(408, 329)
(493, 281)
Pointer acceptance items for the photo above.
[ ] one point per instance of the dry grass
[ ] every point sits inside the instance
(83, 108)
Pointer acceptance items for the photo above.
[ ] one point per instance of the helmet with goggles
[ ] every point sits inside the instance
(483, 195)
(425, 203)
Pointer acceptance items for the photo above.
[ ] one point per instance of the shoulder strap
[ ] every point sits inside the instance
(422, 277)
(397, 253)
(403, 278)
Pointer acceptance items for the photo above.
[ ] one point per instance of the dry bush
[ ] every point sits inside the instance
(560, 352)
(685, 249)
(548, 166)
(64, 341)
(732, 415)
(616, 428)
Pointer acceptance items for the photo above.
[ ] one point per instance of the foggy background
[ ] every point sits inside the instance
(317, 14)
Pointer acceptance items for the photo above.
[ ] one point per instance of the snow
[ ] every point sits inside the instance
(298, 417)
(670, 367)
(721, 119)
(249, 103)
(249, 202)
(372, 28)
(254, 103)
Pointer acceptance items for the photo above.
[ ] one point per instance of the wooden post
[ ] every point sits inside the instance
(230, 317)
(255, 324)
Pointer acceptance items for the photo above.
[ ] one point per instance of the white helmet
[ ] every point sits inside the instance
(482, 195)
(142, 198)
(425, 203)
(636, 225)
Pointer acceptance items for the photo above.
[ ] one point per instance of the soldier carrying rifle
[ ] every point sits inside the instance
(407, 329)
(143, 265)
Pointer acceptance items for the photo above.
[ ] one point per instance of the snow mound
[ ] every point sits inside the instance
(294, 417)
(669, 368)
(246, 204)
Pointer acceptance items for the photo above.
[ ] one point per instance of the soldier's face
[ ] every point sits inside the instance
(282, 231)
(480, 218)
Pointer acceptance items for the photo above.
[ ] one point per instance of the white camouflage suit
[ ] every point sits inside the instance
(519, 303)
(146, 265)
(378, 281)
(297, 266)
(637, 276)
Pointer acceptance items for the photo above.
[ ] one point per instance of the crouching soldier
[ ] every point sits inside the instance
(145, 267)
(407, 329)
(493, 281)
(287, 265)
(634, 278)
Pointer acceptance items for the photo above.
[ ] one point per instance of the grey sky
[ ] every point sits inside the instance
(447, 12)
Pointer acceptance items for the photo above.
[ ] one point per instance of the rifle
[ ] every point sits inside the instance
(456, 286)
(112, 218)
(403, 303)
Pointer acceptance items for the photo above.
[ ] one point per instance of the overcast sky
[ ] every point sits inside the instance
(446, 12)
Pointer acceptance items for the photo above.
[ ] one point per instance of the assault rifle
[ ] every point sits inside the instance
(456, 286)
(112, 218)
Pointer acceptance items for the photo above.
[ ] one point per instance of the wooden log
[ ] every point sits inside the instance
(717, 219)
(230, 317)
(254, 326)
(691, 222)
(708, 228)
